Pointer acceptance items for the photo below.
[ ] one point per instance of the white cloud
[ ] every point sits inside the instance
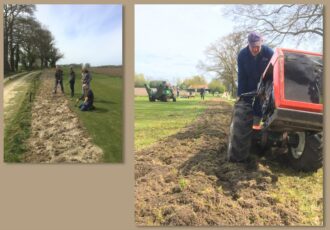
(170, 39)
(85, 33)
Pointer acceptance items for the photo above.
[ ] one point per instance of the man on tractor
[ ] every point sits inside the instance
(282, 89)
(252, 61)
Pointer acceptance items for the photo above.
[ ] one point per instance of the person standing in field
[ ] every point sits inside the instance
(202, 93)
(58, 79)
(86, 77)
(72, 79)
(251, 63)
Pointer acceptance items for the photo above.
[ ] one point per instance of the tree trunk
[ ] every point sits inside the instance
(11, 50)
(5, 40)
(6, 56)
(17, 58)
(41, 62)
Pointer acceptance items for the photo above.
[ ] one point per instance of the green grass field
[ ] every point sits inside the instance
(157, 120)
(303, 189)
(105, 123)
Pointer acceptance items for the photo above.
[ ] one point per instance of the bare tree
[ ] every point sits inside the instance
(55, 55)
(45, 46)
(25, 40)
(29, 41)
(296, 22)
(11, 13)
(221, 59)
(194, 80)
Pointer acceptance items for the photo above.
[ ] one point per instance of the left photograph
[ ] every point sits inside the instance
(63, 83)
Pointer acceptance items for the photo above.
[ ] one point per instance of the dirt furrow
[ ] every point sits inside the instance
(56, 133)
(186, 180)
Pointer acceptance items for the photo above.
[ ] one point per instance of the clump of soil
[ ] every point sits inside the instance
(187, 180)
(56, 133)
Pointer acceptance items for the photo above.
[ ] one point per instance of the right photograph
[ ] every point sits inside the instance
(229, 115)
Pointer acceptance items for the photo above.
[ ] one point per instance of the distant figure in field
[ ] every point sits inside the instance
(202, 93)
(58, 79)
(72, 80)
(86, 77)
(177, 92)
(88, 98)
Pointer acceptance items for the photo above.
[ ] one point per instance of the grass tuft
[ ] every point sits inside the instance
(303, 190)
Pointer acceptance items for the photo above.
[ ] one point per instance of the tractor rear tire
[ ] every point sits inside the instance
(240, 133)
(308, 157)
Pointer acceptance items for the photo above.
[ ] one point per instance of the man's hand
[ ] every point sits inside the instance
(77, 101)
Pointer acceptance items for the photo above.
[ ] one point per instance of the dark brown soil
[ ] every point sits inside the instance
(186, 180)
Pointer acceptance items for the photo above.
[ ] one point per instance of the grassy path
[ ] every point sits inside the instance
(14, 92)
(17, 114)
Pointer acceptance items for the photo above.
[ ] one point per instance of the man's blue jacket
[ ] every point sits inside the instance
(250, 69)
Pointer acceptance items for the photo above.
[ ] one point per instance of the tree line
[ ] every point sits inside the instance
(27, 43)
(296, 23)
(215, 85)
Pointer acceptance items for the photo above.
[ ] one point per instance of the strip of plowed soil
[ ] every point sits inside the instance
(186, 180)
(56, 133)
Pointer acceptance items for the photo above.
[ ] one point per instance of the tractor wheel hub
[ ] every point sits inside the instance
(297, 144)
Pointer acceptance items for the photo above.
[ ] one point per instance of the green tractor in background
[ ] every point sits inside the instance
(163, 91)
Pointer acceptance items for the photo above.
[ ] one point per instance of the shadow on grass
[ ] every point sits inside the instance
(100, 110)
(105, 102)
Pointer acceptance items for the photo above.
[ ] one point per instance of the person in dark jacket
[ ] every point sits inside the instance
(202, 93)
(72, 80)
(252, 62)
(58, 79)
(88, 98)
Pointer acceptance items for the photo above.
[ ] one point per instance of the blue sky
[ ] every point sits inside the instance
(171, 39)
(85, 33)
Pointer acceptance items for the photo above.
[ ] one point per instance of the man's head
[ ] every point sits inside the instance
(84, 67)
(57, 67)
(255, 42)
